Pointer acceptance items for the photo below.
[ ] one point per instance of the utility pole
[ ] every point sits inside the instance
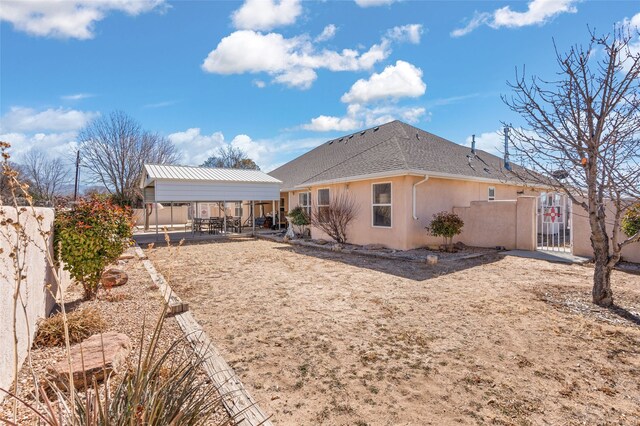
(75, 187)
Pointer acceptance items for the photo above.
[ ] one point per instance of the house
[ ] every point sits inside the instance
(400, 176)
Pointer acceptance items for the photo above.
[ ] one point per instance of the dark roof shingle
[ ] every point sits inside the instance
(389, 148)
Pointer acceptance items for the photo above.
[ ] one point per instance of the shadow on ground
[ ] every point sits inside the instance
(416, 271)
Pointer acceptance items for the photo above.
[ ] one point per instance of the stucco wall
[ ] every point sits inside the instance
(436, 195)
(37, 298)
(433, 196)
(505, 223)
(180, 215)
(582, 234)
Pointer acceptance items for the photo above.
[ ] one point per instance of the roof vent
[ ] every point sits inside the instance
(341, 139)
(330, 142)
(362, 132)
(487, 170)
(350, 136)
(376, 129)
(417, 136)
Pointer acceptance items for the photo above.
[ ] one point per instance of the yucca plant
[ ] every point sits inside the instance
(163, 388)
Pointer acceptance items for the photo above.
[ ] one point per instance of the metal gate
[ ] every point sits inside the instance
(553, 222)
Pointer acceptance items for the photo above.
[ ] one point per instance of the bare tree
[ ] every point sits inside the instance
(230, 157)
(334, 218)
(583, 136)
(114, 149)
(47, 175)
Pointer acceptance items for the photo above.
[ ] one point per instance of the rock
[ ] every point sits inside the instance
(337, 247)
(322, 242)
(433, 247)
(432, 260)
(100, 354)
(286, 239)
(126, 256)
(375, 247)
(460, 245)
(114, 277)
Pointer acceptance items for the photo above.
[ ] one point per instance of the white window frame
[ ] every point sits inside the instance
(489, 196)
(390, 205)
(305, 207)
(318, 205)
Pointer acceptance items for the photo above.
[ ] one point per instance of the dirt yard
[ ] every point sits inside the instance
(329, 338)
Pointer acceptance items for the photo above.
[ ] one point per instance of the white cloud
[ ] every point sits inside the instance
(633, 26)
(194, 147)
(77, 96)
(55, 144)
(68, 18)
(266, 14)
(373, 3)
(491, 142)
(325, 123)
(359, 116)
(291, 61)
(20, 119)
(327, 33)
(538, 12)
(259, 84)
(407, 33)
(267, 153)
(395, 81)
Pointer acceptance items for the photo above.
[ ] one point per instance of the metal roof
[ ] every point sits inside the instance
(204, 174)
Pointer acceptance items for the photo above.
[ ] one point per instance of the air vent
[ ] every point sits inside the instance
(330, 142)
(362, 132)
(376, 129)
(487, 170)
(341, 139)
(351, 136)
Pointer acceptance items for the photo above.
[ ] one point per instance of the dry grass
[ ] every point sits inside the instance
(332, 338)
(82, 323)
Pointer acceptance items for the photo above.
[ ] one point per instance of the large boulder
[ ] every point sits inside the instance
(114, 277)
(97, 356)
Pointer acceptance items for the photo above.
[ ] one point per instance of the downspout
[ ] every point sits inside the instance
(426, 178)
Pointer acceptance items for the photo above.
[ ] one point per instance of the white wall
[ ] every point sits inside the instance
(37, 298)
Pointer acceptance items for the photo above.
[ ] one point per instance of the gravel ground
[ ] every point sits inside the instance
(331, 338)
(125, 310)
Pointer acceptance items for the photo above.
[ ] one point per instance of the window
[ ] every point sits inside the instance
(238, 211)
(492, 193)
(381, 205)
(304, 201)
(323, 204)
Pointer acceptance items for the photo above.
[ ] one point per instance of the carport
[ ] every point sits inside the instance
(165, 185)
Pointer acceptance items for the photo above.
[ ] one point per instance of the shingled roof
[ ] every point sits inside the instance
(392, 148)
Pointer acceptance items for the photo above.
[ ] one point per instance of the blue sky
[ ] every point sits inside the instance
(276, 78)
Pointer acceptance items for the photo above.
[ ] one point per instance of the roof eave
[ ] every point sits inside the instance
(413, 172)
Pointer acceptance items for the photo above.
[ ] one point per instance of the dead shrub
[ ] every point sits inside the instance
(82, 324)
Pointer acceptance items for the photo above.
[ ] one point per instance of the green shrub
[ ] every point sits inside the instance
(446, 225)
(631, 220)
(299, 217)
(91, 236)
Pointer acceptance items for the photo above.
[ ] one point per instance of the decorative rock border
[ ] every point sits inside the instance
(396, 255)
(236, 399)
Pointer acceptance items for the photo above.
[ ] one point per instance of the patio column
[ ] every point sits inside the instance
(253, 218)
(273, 214)
(279, 218)
(156, 206)
(172, 216)
(224, 215)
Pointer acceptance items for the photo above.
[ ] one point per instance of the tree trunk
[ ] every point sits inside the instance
(601, 292)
